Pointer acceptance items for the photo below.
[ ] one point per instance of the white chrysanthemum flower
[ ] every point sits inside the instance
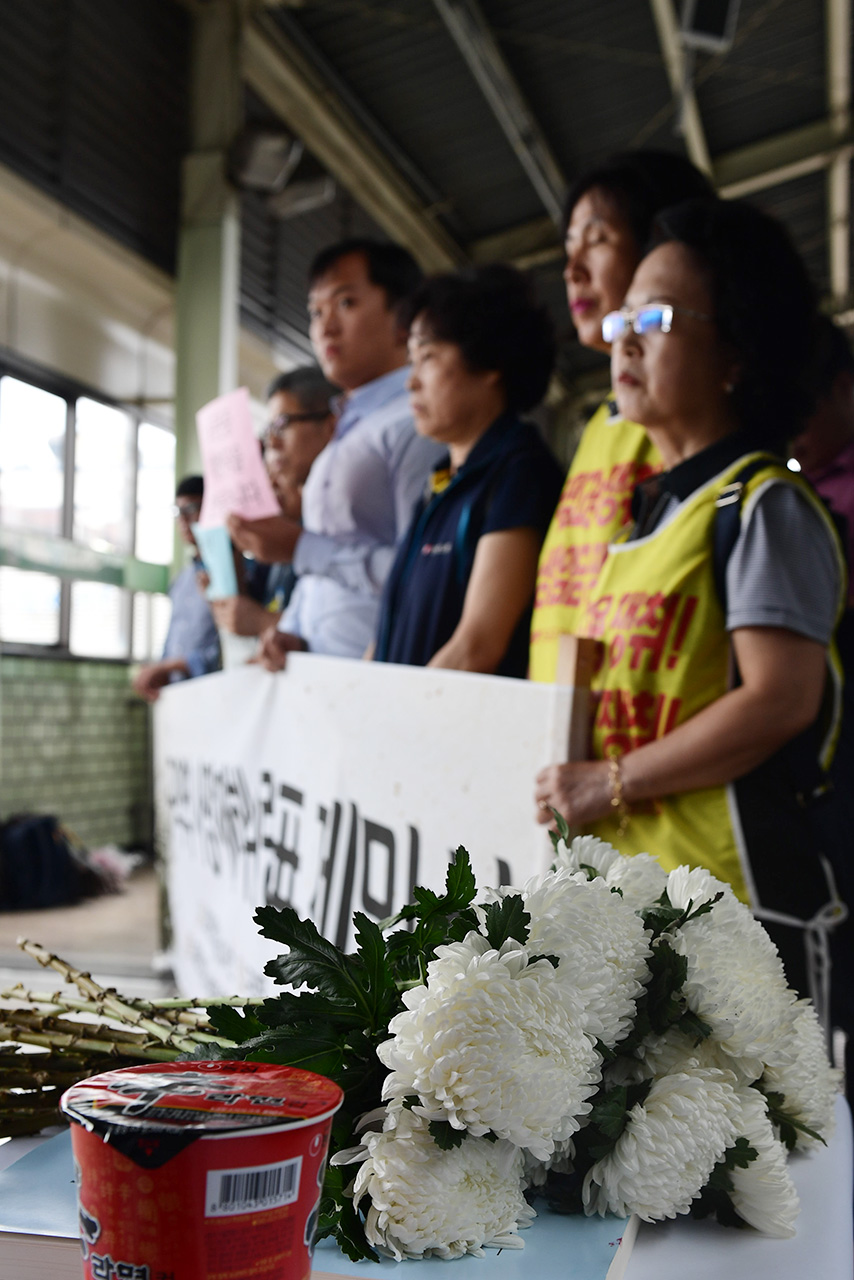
(641, 878)
(798, 1068)
(600, 942)
(587, 851)
(444, 1203)
(493, 1044)
(695, 885)
(735, 981)
(763, 1193)
(667, 1151)
(662, 1055)
(535, 1172)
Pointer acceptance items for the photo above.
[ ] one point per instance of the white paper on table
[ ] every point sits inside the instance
(236, 482)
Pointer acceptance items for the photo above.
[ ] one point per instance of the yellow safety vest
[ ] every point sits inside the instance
(612, 457)
(666, 656)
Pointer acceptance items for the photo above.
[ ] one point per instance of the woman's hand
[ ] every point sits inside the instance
(242, 616)
(274, 647)
(580, 792)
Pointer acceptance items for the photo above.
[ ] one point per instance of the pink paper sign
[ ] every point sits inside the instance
(236, 482)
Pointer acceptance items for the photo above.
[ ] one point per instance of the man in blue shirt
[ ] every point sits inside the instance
(361, 491)
(192, 642)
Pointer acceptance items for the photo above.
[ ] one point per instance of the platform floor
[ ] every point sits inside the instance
(116, 938)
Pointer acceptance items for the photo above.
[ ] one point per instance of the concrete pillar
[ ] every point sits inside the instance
(207, 294)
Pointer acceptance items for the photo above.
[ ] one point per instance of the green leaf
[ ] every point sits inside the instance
(321, 1050)
(460, 885)
(445, 1136)
(350, 1234)
(740, 1154)
(703, 909)
(789, 1125)
(311, 958)
(668, 970)
(553, 960)
(562, 827)
(235, 1024)
(608, 1118)
(507, 919)
(378, 985)
(692, 1025)
(290, 1008)
(716, 1196)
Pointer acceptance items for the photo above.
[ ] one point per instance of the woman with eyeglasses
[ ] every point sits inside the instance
(716, 694)
(610, 211)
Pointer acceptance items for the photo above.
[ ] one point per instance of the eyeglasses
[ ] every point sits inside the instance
(657, 317)
(186, 510)
(277, 428)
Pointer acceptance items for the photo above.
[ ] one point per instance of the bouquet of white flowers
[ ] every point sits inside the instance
(609, 1038)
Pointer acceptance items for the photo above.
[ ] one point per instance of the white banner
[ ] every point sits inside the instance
(335, 787)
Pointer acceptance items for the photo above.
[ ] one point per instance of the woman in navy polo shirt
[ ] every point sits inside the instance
(460, 592)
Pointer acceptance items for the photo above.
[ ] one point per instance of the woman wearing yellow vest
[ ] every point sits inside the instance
(712, 713)
(610, 211)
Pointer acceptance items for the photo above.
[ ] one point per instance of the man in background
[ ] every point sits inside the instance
(359, 496)
(192, 643)
(300, 422)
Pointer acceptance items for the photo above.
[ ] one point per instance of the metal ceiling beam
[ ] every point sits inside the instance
(280, 74)
(516, 243)
(781, 158)
(473, 37)
(673, 53)
(838, 36)
(742, 172)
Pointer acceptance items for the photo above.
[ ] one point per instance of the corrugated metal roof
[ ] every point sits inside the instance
(405, 68)
(93, 102)
(93, 109)
(802, 207)
(771, 80)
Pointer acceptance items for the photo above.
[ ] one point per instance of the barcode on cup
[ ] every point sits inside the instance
(264, 1186)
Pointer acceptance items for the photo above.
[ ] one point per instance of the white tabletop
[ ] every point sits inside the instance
(822, 1249)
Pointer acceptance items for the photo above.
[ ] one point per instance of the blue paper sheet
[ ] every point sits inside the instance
(37, 1194)
(218, 558)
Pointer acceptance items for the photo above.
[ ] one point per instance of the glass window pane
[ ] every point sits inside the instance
(99, 620)
(32, 445)
(155, 494)
(29, 607)
(150, 623)
(104, 466)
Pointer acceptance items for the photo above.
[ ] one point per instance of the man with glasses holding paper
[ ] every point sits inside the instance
(300, 425)
(359, 497)
(192, 642)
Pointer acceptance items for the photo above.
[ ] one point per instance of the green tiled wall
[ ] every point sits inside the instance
(73, 742)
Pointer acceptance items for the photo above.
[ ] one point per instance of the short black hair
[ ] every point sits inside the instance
(308, 385)
(390, 266)
(641, 184)
(491, 314)
(764, 307)
(191, 487)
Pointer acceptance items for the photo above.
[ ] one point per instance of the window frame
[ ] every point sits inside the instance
(70, 390)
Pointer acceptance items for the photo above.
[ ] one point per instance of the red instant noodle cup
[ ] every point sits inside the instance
(200, 1170)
